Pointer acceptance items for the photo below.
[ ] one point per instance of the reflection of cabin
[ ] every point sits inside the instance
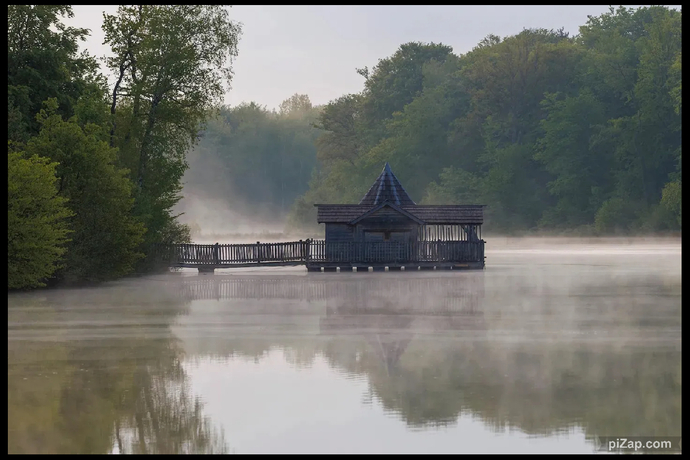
(415, 234)
(387, 335)
(412, 294)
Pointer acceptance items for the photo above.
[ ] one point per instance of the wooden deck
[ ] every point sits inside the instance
(319, 255)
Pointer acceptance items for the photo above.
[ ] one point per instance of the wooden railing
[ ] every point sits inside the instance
(311, 251)
(232, 254)
(397, 252)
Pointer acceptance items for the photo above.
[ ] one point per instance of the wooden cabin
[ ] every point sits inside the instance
(388, 222)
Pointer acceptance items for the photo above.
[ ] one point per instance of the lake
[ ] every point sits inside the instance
(553, 346)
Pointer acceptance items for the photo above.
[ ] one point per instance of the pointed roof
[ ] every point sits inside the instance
(387, 188)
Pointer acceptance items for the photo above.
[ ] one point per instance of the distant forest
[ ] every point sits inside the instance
(553, 133)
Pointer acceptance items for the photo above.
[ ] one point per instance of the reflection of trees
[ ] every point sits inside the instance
(539, 389)
(540, 352)
(98, 370)
(544, 380)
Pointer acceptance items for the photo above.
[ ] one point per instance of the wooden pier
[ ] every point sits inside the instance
(387, 230)
(327, 256)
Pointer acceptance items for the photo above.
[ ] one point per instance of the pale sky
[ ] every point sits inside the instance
(315, 50)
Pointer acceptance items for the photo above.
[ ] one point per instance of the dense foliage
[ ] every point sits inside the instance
(549, 131)
(36, 221)
(115, 156)
(106, 236)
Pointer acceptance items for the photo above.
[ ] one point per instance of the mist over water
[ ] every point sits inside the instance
(228, 219)
(218, 218)
(556, 342)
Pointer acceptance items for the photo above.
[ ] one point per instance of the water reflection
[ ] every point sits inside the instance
(542, 353)
(545, 351)
(98, 371)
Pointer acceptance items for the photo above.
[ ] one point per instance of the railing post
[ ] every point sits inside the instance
(258, 252)
(215, 254)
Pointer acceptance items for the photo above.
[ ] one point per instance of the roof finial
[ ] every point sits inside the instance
(387, 188)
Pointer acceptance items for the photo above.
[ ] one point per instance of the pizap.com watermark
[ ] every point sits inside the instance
(646, 444)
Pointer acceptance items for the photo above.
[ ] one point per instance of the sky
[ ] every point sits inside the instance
(315, 50)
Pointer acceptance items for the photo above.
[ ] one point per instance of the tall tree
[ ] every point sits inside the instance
(171, 63)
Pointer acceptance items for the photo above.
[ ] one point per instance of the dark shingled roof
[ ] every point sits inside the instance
(386, 188)
(444, 214)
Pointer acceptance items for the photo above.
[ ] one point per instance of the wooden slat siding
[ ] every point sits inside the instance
(337, 232)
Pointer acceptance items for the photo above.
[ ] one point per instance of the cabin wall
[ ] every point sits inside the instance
(339, 233)
(386, 220)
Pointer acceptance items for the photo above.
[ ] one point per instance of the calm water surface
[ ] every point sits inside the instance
(546, 349)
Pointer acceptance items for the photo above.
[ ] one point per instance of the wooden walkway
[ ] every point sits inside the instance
(319, 255)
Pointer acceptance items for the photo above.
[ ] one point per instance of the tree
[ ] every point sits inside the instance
(417, 141)
(170, 62)
(339, 121)
(43, 62)
(548, 131)
(106, 236)
(296, 106)
(568, 150)
(37, 226)
(671, 200)
(395, 81)
(632, 54)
